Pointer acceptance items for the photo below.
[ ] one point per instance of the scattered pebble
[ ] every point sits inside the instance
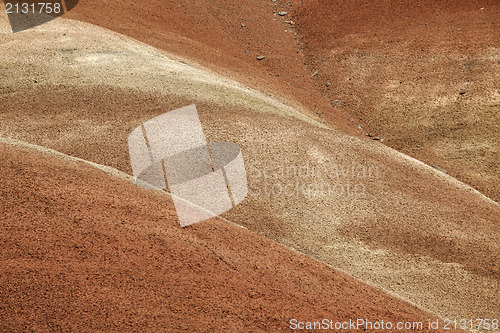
(335, 102)
(315, 73)
(328, 84)
(462, 92)
(261, 57)
(282, 13)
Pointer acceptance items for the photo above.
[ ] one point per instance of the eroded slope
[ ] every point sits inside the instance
(410, 229)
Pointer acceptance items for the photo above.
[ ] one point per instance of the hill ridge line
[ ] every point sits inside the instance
(124, 176)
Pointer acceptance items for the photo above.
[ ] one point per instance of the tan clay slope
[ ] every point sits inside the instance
(85, 251)
(423, 74)
(409, 230)
(225, 36)
(396, 68)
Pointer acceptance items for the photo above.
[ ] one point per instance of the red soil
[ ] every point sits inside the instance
(111, 257)
(424, 75)
(86, 251)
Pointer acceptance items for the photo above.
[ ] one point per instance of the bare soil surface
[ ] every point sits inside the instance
(423, 75)
(86, 251)
(405, 227)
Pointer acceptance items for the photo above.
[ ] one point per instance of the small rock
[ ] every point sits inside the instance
(247, 51)
(378, 138)
(243, 25)
(440, 169)
(360, 127)
(261, 57)
(314, 74)
(462, 92)
(335, 102)
(328, 84)
(282, 13)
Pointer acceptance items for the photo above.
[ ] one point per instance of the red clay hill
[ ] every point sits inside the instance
(83, 250)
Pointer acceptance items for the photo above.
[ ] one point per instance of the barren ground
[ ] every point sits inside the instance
(416, 233)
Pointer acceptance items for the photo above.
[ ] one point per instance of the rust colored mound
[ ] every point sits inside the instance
(83, 250)
(423, 75)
